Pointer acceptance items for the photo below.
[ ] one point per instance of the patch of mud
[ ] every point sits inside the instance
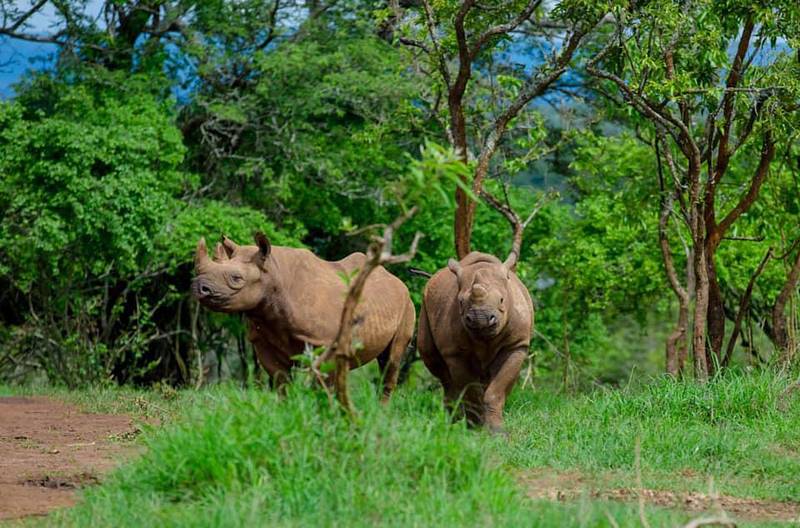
(70, 482)
(567, 486)
(49, 449)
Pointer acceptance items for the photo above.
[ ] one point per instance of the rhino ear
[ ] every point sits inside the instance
(229, 245)
(511, 262)
(264, 246)
(455, 266)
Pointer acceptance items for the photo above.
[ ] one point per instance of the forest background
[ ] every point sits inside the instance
(659, 138)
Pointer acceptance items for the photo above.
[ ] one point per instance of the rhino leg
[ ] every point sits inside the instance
(428, 352)
(391, 358)
(505, 372)
(275, 363)
(465, 389)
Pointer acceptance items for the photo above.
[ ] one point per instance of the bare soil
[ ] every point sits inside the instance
(49, 449)
(549, 485)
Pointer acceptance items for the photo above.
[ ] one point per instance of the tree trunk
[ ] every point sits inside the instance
(700, 311)
(195, 347)
(464, 218)
(781, 337)
(465, 208)
(716, 314)
(676, 341)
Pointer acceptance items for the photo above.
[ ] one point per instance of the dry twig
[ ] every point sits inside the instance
(517, 225)
(341, 350)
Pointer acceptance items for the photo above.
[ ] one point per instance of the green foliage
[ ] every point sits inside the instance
(326, 126)
(598, 260)
(90, 185)
(175, 244)
(93, 217)
(191, 119)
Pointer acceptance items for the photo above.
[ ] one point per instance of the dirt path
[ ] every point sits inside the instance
(49, 448)
(549, 485)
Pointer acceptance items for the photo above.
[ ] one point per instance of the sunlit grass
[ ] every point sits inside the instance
(737, 431)
(228, 456)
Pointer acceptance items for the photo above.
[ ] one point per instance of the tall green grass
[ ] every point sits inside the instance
(244, 457)
(236, 457)
(740, 430)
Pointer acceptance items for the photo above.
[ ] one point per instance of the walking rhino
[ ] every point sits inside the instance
(292, 298)
(474, 332)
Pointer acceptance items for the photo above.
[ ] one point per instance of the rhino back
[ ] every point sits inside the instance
(313, 295)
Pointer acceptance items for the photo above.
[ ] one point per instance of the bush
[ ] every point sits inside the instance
(97, 232)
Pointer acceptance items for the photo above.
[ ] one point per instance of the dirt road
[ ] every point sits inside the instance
(48, 449)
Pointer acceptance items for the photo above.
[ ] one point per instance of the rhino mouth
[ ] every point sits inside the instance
(208, 296)
(481, 323)
(484, 331)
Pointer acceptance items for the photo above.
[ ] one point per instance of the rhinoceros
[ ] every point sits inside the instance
(292, 298)
(474, 331)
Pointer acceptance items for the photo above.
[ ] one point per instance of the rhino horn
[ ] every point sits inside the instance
(479, 292)
(219, 253)
(201, 255)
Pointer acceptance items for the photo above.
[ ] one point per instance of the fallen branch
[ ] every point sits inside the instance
(341, 350)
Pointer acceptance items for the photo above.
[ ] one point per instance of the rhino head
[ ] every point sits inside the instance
(236, 279)
(483, 295)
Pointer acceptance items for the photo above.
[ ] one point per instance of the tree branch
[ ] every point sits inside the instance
(517, 225)
(500, 29)
(442, 62)
(535, 86)
(767, 155)
(341, 350)
(743, 306)
(10, 30)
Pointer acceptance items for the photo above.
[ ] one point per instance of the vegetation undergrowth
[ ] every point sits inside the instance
(240, 457)
(739, 430)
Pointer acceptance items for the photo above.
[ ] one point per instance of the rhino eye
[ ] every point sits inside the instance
(235, 277)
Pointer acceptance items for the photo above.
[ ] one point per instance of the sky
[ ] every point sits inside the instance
(18, 56)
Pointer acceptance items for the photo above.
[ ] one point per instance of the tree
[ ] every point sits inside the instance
(670, 63)
(96, 234)
(308, 144)
(460, 41)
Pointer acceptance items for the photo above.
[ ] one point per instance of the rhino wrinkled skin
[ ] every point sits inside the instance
(474, 332)
(292, 298)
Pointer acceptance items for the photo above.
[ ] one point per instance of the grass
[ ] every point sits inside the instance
(737, 430)
(245, 457)
(162, 403)
(234, 457)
